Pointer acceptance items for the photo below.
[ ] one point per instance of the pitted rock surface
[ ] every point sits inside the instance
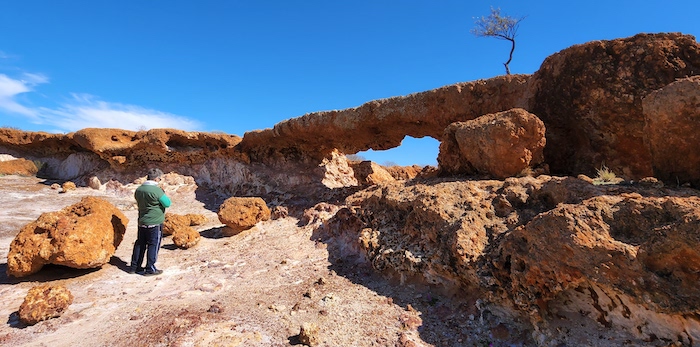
(672, 125)
(241, 213)
(498, 145)
(43, 302)
(84, 235)
(589, 97)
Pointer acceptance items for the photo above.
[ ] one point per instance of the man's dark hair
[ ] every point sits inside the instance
(153, 174)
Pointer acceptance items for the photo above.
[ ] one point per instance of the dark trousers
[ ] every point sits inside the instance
(147, 242)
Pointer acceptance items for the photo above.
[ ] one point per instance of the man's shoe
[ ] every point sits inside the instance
(131, 270)
(152, 273)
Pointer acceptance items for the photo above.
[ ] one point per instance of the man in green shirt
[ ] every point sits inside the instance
(152, 201)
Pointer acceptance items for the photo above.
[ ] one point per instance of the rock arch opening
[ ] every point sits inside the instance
(412, 151)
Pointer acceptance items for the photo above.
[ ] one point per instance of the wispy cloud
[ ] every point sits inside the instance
(9, 90)
(84, 110)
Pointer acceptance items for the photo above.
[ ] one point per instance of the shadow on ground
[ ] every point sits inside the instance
(47, 273)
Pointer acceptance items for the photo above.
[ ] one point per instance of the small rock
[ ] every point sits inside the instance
(308, 334)
(44, 302)
(215, 309)
(94, 183)
(68, 186)
(280, 212)
(651, 182)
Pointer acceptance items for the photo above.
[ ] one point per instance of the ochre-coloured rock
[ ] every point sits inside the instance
(120, 149)
(645, 247)
(308, 334)
(589, 98)
(383, 124)
(185, 237)
(499, 145)
(368, 173)
(22, 167)
(241, 213)
(179, 226)
(174, 221)
(672, 128)
(84, 235)
(403, 173)
(68, 186)
(43, 302)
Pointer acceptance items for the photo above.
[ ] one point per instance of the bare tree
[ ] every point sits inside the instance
(499, 26)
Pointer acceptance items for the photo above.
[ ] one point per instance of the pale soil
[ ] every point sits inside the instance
(253, 289)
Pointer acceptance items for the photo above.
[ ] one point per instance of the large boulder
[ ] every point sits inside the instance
(242, 213)
(672, 125)
(368, 173)
(84, 235)
(590, 98)
(43, 302)
(499, 145)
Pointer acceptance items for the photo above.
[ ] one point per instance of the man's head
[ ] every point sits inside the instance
(153, 174)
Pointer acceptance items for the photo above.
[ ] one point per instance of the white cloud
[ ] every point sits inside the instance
(84, 111)
(9, 89)
(33, 79)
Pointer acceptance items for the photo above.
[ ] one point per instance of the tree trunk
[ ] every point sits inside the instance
(510, 57)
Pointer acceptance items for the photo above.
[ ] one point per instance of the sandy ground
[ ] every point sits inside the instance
(253, 289)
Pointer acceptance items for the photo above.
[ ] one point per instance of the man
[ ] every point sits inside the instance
(152, 201)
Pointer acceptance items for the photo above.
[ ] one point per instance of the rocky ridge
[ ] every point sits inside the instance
(544, 260)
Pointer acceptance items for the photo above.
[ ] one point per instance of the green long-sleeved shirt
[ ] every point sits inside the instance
(152, 202)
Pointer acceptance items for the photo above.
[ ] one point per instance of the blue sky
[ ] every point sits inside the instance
(236, 66)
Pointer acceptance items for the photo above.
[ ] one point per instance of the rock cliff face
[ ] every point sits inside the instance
(590, 98)
(87, 151)
(671, 126)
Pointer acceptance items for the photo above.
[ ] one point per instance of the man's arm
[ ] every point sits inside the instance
(164, 200)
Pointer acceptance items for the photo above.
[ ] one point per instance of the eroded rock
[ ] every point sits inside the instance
(499, 145)
(383, 124)
(308, 334)
(589, 97)
(179, 226)
(22, 167)
(84, 235)
(241, 213)
(368, 173)
(43, 302)
(175, 221)
(94, 183)
(68, 186)
(672, 122)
